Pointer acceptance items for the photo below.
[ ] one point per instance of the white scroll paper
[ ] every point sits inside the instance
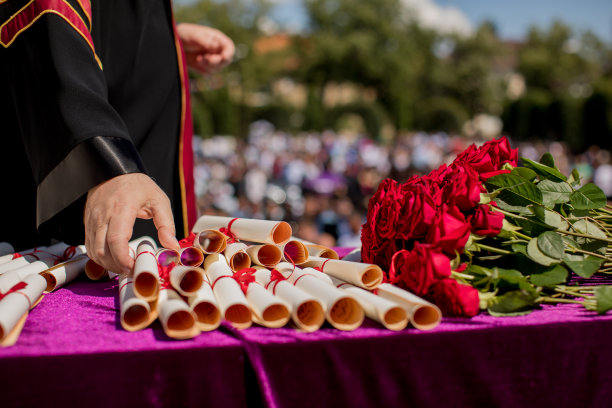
(423, 314)
(341, 309)
(146, 274)
(135, 313)
(294, 252)
(64, 272)
(186, 280)
(389, 314)
(231, 301)
(204, 304)
(15, 305)
(210, 241)
(367, 276)
(8, 279)
(268, 310)
(245, 229)
(236, 256)
(265, 255)
(177, 319)
(306, 311)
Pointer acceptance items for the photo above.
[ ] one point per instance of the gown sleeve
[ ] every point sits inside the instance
(72, 136)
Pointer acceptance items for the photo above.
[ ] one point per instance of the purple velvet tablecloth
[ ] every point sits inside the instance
(73, 352)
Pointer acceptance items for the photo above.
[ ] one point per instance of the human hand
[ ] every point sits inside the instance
(110, 212)
(206, 49)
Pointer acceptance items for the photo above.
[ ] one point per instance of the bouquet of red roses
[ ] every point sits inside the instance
(484, 233)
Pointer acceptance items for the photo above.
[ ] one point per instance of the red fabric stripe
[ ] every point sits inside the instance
(33, 10)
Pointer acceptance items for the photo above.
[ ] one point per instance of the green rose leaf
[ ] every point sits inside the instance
(534, 253)
(544, 171)
(519, 248)
(583, 265)
(551, 244)
(547, 159)
(532, 226)
(574, 178)
(551, 218)
(515, 190)
(554, 193)
(603, 295)
(516, 209)
(517, 301)
(590, 244)
(551, 277)
(525, 173)
(588, 197)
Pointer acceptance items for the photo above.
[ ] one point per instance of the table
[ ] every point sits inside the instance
(73, 352)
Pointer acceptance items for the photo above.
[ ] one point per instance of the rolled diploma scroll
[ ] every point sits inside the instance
(186, 280)
(177, 319)
(232, 303)
(146, 274)
(26, 258)
(341, 309)
(10, 278)
(6, 258)
(166, 256)
(191, 256)
(268, 310)
(64, 272)
(367, 276)
(423, 315)
(6, 249)
(265, 255)
(306, 311)
(96, 272)
(135, 313)
(210, 241)
(318, 250)
(286, 267)
(204, 305)
(389, 314)
(15, 305)
(246, 229)
(294, 252)
(236, 256)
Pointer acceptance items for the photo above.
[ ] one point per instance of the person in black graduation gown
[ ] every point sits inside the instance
(95, 122)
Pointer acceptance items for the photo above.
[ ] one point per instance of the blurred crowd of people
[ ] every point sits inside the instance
(321, 182)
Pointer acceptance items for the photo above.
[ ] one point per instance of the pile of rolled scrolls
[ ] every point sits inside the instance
(238, 270)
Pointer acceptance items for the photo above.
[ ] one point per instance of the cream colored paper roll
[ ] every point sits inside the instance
(166, 257)
(231, 301)
(246, 229)
(236, 256)
(265, 255)
(294, 252)
(146, 274)
(6, 258)
(204, 304)
(8, 279)
(16, 304)
(177, 319)
(64, 272)
(341, 309)
(367, 276)
(423, 314)
(191, 256)
(268, 310)
(286, 267)
(6, 249)
(95, 272)
(389, 314)
(320, 251)
(186, 280)
(210, 241)
(135, 313)
(307, 313)
(26, 258)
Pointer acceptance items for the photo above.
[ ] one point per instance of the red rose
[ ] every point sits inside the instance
(454, 298)
(449, 230)
(489, 157)
(485, 221)
(486, 176)
(417, 212)
(462, 187)
(418, 269)
(383, 212)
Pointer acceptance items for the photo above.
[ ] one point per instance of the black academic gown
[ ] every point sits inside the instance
(88, 91)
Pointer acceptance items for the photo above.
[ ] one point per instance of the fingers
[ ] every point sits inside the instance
(110, 212)
(207, 49)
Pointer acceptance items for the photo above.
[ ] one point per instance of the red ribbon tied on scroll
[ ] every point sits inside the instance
(275, 276)
(245, 277)
(164, 274)
(16, 255)
(188, 241)
(228, 232)
(15, 288)
(320, 268)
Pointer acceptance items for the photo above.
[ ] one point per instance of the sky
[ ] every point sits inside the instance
(512, 17)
